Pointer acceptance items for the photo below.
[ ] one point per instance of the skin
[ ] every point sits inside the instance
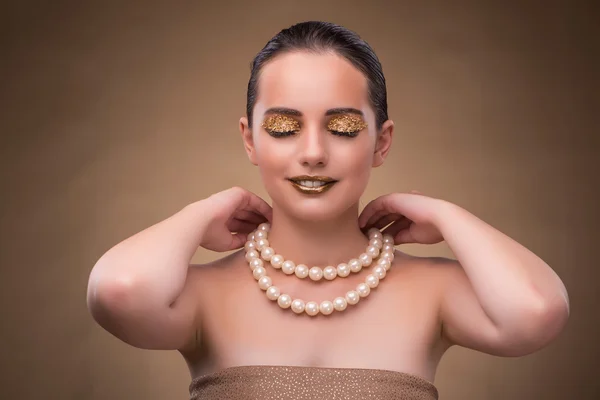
(497, 297)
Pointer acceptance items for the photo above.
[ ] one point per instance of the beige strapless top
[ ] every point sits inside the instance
(282, 382)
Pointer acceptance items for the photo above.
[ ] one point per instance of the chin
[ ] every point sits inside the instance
(313, 212)
(315, 208)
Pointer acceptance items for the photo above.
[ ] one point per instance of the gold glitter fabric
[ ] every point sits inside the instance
(304, 383)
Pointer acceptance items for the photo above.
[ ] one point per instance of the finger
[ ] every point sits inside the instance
(249, 216)
(238, 240)
(258, 205)
(386, 220)
(238, 226)
(370, 211)
(396, 227)
(375, 206)
(404, 237)
(374, 218)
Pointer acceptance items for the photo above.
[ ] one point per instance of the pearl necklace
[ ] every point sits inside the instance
(257, 247)
(256, 242)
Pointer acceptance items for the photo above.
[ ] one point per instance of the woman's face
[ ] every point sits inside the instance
(314, 135)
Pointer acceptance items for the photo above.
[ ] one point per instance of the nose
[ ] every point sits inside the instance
(313, 149)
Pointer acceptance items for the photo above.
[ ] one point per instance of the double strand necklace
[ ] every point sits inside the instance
(380, 253)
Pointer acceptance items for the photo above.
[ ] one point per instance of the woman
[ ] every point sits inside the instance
(372, 322)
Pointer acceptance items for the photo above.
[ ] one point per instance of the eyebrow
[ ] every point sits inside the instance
(332, 111)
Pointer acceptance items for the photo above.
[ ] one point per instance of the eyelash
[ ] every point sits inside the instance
(290, 133)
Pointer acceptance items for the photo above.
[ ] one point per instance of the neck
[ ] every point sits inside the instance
(319, 243)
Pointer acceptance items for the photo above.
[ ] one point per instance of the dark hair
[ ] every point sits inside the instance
(317, 36)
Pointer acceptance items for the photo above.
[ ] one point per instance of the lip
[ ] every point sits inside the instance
(329, 182)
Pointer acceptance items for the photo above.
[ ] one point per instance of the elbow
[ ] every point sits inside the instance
(106, 297)
(111, 294)
(537, 329)
(116, 307)
(552, 319)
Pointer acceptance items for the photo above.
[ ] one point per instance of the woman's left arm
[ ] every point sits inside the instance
(523, 298)
(497, 297)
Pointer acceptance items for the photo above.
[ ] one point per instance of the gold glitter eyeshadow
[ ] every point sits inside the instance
(346, 124)
(280, 123)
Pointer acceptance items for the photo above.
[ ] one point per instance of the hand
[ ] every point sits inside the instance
(411, 217)
(232, 214)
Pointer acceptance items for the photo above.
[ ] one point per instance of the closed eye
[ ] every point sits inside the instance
(282, 134)
(347, 134)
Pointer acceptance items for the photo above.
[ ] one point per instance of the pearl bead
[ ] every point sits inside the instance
(379, 271)
(343, 270)
(264, 282)
(372, 251)
(277, 261)
(365, 259)
(288, 267)
(387, 248)
(329, 273)
(259, 272)
(355, 265)
(363, 289)
(260, 235)
(326, 307)
(372, 281)
(385, 263)
(312, 308)
(250, 236)
(267, 253)
(255, 263)
(284, 301)
(252, 254)
(261, 244)
(315, 273)
(388, 239)
(352, 297)
(301, 271)
(376, 242)
(388, 255)
(340, 304)
(250, 245)
(375, 234)
(273, 293)
(265, 226)
(298, 306)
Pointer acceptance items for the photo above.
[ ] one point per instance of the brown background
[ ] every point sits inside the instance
(114, 116)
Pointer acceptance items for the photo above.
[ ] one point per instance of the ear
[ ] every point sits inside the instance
(384, 143)
(248, 140)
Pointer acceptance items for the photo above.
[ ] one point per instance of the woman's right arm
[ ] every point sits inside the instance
(140, 289)
(133, 288)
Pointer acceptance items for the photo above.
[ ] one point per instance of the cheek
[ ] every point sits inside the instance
(270, 157)
(361, 169)
(360, 157)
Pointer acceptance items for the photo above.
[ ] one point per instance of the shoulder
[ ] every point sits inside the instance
(204, 281)
(219, 267)
(438, 269)
(426, 276)
(220, 274)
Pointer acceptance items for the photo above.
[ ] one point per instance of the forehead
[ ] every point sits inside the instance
(311, 83)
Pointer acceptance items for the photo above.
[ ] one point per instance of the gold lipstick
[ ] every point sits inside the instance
(312, 184)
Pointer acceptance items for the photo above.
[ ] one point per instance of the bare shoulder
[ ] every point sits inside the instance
(218, 269)
(439, 269)
(204, 281)
(427, 278)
